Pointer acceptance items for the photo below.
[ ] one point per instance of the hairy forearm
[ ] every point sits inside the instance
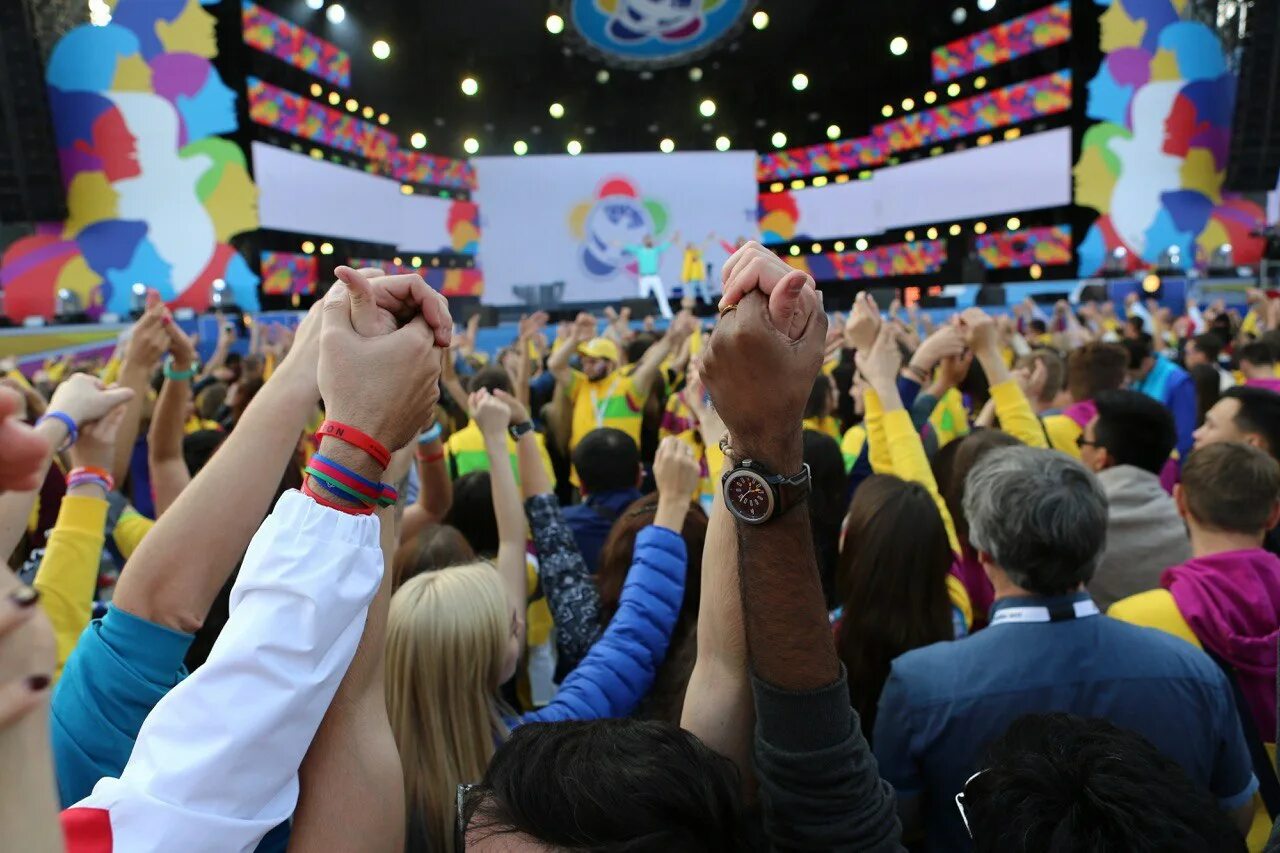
(179, 568)
(788, 636)
(558, 362)
(647, 367)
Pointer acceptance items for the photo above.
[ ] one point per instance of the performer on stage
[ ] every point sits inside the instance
(693, 273)
(649, 263)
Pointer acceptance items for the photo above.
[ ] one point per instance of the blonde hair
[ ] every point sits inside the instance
(446, 638)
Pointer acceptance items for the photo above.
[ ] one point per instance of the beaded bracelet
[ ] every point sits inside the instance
(356, 438)
(178, 375)
(73, 432)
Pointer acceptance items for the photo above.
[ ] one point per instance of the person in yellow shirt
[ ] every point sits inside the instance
(1092, 368)
(465, 448)
(603, 393)
(819, 411)
(1226, 598)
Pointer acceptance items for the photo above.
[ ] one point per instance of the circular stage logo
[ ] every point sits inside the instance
(653, 33)
(614, 218)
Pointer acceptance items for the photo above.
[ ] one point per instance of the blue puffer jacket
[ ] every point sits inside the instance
(619, 670)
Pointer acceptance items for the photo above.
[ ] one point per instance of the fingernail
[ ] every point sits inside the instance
(36, 683)
(25, 596)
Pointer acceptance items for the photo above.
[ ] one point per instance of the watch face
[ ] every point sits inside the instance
(748, 496)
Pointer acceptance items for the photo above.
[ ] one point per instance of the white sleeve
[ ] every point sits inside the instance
(215, 766)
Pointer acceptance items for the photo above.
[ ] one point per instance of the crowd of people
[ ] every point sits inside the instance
(784, 580)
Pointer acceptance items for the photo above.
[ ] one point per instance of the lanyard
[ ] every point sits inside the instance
(599, 407)
(1061, 613)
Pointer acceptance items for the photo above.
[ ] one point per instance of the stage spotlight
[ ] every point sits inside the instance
(574, 148)
(954, 230)
(335, 98)
(521, 148)
(800, 82)
(820, 181)
(316, 154)
(861, 244)
(1012, 133)
(326, 248)
(398, 261)
(980, 82)
(953, 89)
(352, 105)
(910, 236)
(406, 189)
(908, 105)
(898, 46)
(986, 5)
(1014, 223)
(833, 132)
(556, 110)
(707, 108)
(930, 96)
(886, 111)
(418, 140)
(797, 184)
(336, 14)
(695, 74)
(778, 139)
(760, 20)
(416, 262)
(932, 233)
(980, 228)
(316, 90)
(842, 178)
(470, 86)
(935, 151)
(958, 15)
(602, 76)
(381, 50)
(1151, 284)
(555, 24)
(470, 145)
(315, 5)
(384, 118)
(308, 247)
(795, 250)
(667, 145)
(722, 143)
(777, 187)
(864, 175)
(816, 248)
(367, 112)
(984, 139)
(1036, 271)
(838, 246)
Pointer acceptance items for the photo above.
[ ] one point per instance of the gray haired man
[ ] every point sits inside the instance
(1038, 520)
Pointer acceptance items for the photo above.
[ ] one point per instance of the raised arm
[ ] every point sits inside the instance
(818, 782)
(620, 668)
(583, 329)
(148, 342)
(647, 368)
(493, 416)
(169, 474)
(1012, 407)
(226, 337)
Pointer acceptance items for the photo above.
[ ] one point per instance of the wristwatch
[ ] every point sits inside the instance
(755, 495)
(518, 430)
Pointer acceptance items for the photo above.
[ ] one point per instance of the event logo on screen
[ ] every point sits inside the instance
(154, 192)
(616, 216)
(654, 32)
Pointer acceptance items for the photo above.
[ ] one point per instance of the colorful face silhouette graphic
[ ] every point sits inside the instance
(1155, 165)
(153, 194)
(616, 217)
(654, 31)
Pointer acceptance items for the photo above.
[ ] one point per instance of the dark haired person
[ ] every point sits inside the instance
(1126, 445)
(465, 448)
(609, 472)
(1038, 520)
(1227, 598)
(1166, 383)
(1247, 415)
(1091, 369)
(1062, 782)
(1258, 364)
(1206, 348)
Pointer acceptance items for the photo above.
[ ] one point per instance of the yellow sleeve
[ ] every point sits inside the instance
(1063, 432)
(878, 442)
(68, 573)
(19, 377)
(1016, 415)
(715, 463)
(1154, 608)
(851, 445)
(110, 371)
(131, 527)
(911, 463)
(960, 598)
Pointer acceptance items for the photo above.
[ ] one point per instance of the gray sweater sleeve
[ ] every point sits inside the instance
(820, 788)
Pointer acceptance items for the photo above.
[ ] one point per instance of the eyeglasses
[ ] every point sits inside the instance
(960, 801)
(1081, 441)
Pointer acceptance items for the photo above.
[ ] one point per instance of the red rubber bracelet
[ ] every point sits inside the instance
(356, 438)
(323, 501)
(434, 457)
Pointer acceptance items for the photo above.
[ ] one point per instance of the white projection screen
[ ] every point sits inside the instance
(560, 218)
(308, 196)
(1025, 174)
